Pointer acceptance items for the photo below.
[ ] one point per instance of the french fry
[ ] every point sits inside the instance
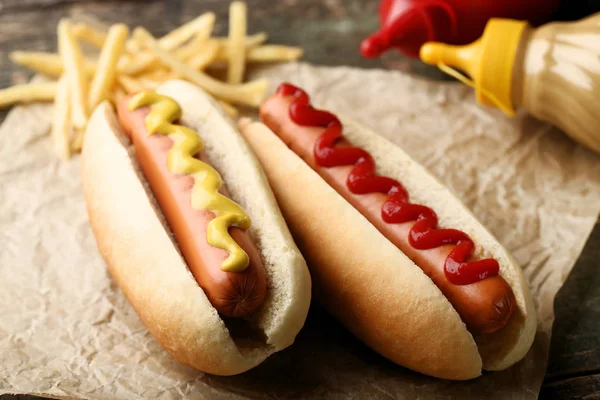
(132, 46)
(236, 49)
(196, 32)
(73, 62)
(45, 63)
(28, 92)
(256, 40)
(195, 45)
(138, 63)
(141, 62)
(77, 142)
(117, 95)
(107, 64)
(249, 43)
(250, 93)
(262, 54)
(61, 119)
(125, 60)
(51, 65)
(274, 53)
(130, 84)
(202, 24)
(48, 64)
(89, 34)
(207, 56)
(161, 74)
(229, 109)
(189, 50)
(149, 83)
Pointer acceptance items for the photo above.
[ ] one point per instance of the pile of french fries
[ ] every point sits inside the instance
(127, 63)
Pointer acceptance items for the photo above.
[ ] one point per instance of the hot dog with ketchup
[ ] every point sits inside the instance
(189, 228)
(471, 309)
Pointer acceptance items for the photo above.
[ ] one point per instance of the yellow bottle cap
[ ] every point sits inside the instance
(489, 61)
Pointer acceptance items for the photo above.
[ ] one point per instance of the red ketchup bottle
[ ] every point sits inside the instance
(407, 24)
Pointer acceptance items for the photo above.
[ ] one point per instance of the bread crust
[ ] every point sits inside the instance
(369, 284)
(142, 258)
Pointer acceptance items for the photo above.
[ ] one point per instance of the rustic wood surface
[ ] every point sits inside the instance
(330, 32)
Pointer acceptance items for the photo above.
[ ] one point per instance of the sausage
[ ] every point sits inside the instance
(484, 306)
(233, 294)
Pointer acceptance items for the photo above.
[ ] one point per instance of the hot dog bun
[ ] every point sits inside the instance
(369, 284)
(143, 259)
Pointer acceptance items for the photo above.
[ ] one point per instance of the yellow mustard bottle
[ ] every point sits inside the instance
(553, 71)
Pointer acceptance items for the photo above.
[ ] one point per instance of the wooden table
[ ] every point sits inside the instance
(330, 31)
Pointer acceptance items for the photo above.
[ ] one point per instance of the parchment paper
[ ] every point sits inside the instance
(67, 331)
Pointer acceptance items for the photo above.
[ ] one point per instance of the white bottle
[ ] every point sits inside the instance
(553, 71)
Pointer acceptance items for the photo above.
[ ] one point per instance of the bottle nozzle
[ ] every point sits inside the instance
(432, 53)
(407, 28)
(488, 61)
(373, 46)
(465, 58)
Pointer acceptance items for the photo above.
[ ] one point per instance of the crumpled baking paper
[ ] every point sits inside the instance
(67, 331)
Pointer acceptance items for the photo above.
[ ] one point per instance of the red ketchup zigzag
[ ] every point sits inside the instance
(397, 208)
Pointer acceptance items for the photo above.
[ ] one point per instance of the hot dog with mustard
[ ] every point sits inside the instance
(209, 227)
(189, 228)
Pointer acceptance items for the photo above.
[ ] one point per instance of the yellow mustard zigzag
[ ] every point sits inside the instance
(164, 111)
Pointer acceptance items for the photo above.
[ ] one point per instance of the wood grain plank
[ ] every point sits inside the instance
(583, 387)
(18, 5)
(575, 345)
